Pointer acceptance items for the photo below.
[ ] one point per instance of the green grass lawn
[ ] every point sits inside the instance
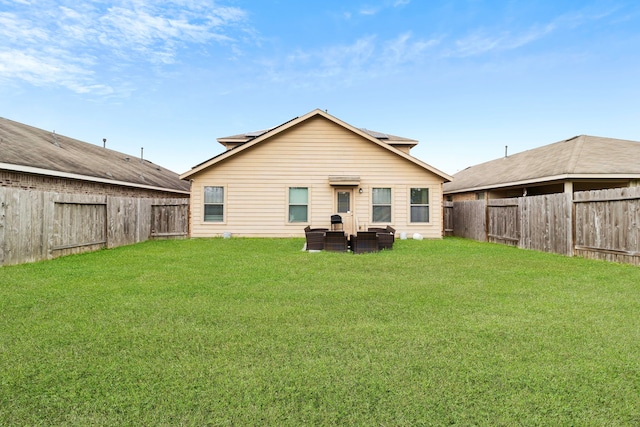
(256, 332)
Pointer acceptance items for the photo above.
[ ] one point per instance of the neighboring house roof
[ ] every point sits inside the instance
(580, 157)
(248, 140)
(28, 149)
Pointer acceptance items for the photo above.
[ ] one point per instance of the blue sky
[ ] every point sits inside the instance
(465, 78)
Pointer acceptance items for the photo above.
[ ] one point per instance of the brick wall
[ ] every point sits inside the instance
(28, 181)
(462, 197)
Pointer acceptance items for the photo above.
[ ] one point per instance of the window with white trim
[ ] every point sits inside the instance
(381, 205)
(298, 204)
(214, 204)
(419, 205)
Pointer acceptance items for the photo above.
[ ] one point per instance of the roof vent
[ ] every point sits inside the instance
(55, 139)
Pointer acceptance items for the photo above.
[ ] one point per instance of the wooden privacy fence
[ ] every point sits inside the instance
(37, 225)
(607, 225)
(602, 224)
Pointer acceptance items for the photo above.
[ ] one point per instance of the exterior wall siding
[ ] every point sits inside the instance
(256, 183)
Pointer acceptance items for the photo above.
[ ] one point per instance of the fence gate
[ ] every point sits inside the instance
(169, 220)
(503, 221)
(78, 227)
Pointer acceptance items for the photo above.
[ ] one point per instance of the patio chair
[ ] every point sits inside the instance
(386, 236)
(336, 223)
(364, 241)
(335, 241)
(315, 238)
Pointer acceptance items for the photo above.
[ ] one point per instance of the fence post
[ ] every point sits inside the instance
(571, 237)
(3, 207)
(107, 220)
(521, 222)
(486, 216)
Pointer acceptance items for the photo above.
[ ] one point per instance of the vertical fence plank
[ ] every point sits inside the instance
(448, 218)
(3, 223)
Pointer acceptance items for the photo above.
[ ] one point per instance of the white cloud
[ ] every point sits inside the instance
(366, 57)
(404, 49)
(13, 28)
(369, 10)
(481, 42)
(41, 69)
(484, 41)
(126, 31)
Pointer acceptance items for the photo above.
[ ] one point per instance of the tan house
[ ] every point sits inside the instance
(274, 183)
(581, 163)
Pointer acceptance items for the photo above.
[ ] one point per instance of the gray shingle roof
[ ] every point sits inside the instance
(27, 146)
(581, 156)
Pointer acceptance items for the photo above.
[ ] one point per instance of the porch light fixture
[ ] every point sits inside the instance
(360, 190)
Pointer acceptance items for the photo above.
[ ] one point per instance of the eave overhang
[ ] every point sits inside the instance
(543, 181)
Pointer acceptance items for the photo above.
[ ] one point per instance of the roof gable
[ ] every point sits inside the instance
(582, 156)
(28, 149)
(250, 140)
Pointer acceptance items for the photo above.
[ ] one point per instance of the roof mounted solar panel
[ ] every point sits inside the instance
(375, 134)
(256, 133)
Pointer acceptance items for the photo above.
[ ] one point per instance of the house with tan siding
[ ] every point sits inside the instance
(275, 182)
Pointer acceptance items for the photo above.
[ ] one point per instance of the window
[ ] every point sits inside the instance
(214, 204)
(419, 205)
(344, 201)
(381, 205)
(298, 204)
